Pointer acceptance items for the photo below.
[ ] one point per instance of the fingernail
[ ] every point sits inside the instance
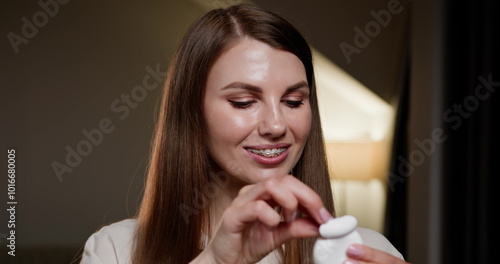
(354, 251)
(325, 215)
(350, 261)
(291, 217)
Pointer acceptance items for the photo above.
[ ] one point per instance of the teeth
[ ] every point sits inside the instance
(268, 153)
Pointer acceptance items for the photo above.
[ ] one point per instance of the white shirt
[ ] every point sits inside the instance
(113, 244)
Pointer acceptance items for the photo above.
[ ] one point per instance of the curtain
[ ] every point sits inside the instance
(443, 172)
(472, 75)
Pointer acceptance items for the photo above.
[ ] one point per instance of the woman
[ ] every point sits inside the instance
(238, 171)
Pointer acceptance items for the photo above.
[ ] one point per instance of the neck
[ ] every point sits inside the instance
(226, 188)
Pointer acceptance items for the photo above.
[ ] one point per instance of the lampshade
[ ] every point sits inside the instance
(358, 160)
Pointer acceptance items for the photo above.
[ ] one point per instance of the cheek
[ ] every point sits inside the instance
(226, 125)
(300, 124)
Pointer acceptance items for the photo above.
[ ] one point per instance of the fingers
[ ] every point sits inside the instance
(363, 254)
(308, 200)
(284, 231)
(252, 226)
(288, 192)
(272, 191)
(237, 218)
(300, 228)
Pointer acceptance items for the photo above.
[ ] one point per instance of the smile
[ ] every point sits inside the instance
(268, 153)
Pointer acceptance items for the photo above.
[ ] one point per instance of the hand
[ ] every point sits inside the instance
(361, 254)
(251, 227)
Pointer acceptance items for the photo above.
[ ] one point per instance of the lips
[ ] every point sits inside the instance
(268, 154)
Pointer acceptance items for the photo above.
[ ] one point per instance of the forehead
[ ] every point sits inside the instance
(253, 61)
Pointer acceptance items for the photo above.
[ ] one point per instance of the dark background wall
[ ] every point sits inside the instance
(63, 80)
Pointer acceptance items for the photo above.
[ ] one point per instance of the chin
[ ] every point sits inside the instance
(264, 174)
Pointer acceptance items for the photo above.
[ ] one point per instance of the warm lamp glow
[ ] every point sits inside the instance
(357, 160)
(357, 124)
(349, 110)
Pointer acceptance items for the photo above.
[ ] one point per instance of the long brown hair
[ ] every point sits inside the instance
(180, 162)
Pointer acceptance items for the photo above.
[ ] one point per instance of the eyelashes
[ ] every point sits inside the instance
(241, 104)
(249, 103)
(293, 103)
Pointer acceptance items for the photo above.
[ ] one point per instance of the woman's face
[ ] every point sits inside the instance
(257, 111)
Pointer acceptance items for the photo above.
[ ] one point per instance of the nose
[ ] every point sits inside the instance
(273, 123)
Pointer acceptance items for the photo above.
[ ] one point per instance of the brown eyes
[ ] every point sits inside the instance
(247, 104)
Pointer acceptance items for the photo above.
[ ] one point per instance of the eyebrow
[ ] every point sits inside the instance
(253, 88)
